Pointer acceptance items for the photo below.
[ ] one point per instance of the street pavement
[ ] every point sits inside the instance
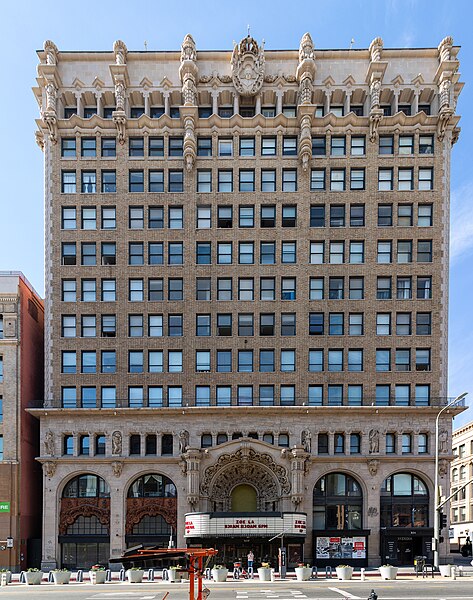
(401, 589)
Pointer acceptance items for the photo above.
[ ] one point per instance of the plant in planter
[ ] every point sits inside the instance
(219, 573)
(8, 574)
(97, 574)
(33, 576)
(135, 575)
(174, 573)
(344, 572)
(303, 572)
(264, 572)
(61, 576)
(388, 571)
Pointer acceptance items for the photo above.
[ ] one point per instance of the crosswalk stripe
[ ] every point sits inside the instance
(345, 594)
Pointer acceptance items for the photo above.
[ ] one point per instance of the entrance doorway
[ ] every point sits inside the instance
(408, 549)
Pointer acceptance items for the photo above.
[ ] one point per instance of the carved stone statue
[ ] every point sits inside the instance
(306, 48)
(183, 441)
(188, 49)
(373, 437)
(443, 441)
(116, 442)
(120, 95)
(49, 468)
(49, 444)
(443, 467)
(51, 97)
(117, 468)
(376, 47)
(248, 66)
(444, 93)
(51, 51)
(445, 49)
(375, 91)
(373, 465)
(120, 50)
(306, 440)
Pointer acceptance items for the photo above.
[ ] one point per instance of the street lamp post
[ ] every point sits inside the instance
(436, 477)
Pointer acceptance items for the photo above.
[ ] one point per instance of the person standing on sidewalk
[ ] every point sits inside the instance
(251, 558)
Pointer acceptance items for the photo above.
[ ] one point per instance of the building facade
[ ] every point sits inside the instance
(246, 318)
(21, 388)
(461, 472)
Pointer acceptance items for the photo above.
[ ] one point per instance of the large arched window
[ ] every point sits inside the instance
(152, 486)
(86, 486)
(87, 526)
(404, 501)
(152, 525)
(338, 503)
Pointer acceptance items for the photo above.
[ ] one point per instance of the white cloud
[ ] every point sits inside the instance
(461, 223)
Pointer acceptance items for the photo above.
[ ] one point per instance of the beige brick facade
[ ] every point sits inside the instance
(303, 376)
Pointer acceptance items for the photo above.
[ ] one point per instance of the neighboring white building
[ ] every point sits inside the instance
(461, 505)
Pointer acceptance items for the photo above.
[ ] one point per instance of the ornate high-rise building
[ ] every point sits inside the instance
(247, 287)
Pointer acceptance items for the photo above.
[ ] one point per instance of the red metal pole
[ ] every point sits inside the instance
(199, 579)
(191, 577)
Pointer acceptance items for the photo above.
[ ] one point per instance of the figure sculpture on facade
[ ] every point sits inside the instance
(306, 440)
(183, 441)
(49, 445)
(375, 49)
(443, 441)
(116, 442)
(51, 51)
(120, 50)
(374, 441)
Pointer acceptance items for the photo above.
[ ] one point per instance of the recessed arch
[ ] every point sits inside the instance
(244, 498)
(338, 502)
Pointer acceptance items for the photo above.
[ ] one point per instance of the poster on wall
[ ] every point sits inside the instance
(338, 547)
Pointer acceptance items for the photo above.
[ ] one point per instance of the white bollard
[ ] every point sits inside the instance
(3, 580)
(93, 578)
(453, 573)
(362, 574)
(273, 578)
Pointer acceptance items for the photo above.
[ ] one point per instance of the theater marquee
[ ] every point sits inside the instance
(211, 525)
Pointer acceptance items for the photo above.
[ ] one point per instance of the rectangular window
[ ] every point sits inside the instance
(424, 215)
(88, 290)
(383, 289)
(223, 395)
(203, 253)
(289, 146)
(225, 217)
(406, 443)
(404, 251)
(403, 324)
(176, 146)
(405, 180)
(404, 215)
(267, 324)
(156, 147)
(225, 180)
(385, 180)
(289, 180)
(383, 360)
(247, 180)
(204, 180)
(355, 443)
(175, 327)
(288, 252)
(109, 147)
(89, 218)
(267, 288)
(390, 443)
(424, 288)
(357, 179)
(246, 216)
(88, 147)
(109, 182)
(176, 181)
(336, 288)
(426, 144)
(384, 252)
(337, 180)
(335, 395)
(88, 254)
(204, 214)
(424, 251)
(317, 180)
(336, 253)
(247, 146)
(68, 294)
(288, 324)
(337, 215)
(224, 289)
(68, 182)
(385, 215)
(245, 361)
(135, 325)
(175, 253)
(68, 218)
(406, 144)
(426, 179)
(319, 146)
(268, 146)
(225, 146)
(358, 144)
(224, 325)
(245, 395)
(338, 146)
(383, 394)
(423, 359)
(155, 181)
(267, 253)
(245, 324)
(155, 325)
(423, 323)
(203, 288)
(224, 361)
(156, 217)
(266, 361)
(155, 289)
(136, 181)
(316, 288)
(355, 324)
(175, 217)
(317, 215)
(68, 147)
(268, 180)
(403, 359)
(245, 253)
(317, 253)
(204, 146)
(386, 144)
(335, 360)
(109, 326)
(266, 398)
(316, 361)
(202, 325)
(224, 253)
(136, 146)
(356, 288)
(289, 215)
(316, 323)
(383, 324)
(202, 361)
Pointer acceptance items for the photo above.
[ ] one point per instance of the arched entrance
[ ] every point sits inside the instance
(151, 515)
(405, 531)
(338, 521)
(84, 522)
(244, 499)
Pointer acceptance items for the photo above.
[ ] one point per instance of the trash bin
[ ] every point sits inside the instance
(419, 562)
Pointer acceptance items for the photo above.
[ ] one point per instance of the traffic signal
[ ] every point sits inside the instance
(442, 521)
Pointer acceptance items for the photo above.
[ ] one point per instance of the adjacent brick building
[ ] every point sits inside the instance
(247, 278)
(21, 387)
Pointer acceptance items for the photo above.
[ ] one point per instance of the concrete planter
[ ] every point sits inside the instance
(134, 576)
(264, 574)
(174, 575)
(7, 574)
(344, 573)
(61, 577)
(219, 575)
(303, 573)
(97, 577)
(445, 570)
(33, 577)
(388, 572)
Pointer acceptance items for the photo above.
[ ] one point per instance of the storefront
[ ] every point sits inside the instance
(401, 546)
(235, 534)
(334, 548)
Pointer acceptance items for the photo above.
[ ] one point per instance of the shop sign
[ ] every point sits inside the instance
(4, 507)
(204, 524)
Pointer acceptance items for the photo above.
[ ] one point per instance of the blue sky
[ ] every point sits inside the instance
(25, 24)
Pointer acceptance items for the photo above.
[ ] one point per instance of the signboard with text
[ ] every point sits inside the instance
(205, 524)
(4, 507)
